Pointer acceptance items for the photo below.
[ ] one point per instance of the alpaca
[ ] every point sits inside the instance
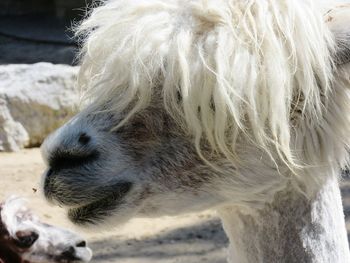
(238, 105)
(24, 239)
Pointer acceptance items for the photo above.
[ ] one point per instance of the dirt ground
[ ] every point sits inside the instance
(185, 239)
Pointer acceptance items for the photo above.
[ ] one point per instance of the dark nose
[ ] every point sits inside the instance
(81, 244)
(84, 138)
(70, 254)
(73, 152)
(25, 239)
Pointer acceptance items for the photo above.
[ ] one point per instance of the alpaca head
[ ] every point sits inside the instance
(24, 237)
(191, 105)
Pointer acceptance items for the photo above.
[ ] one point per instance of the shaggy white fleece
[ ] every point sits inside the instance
(255, 64)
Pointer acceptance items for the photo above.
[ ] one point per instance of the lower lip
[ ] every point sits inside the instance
(46, 184)
(98, 210)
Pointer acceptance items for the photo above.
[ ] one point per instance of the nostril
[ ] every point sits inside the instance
(84, 138)
(81, 244)
(69, 255)
(71, 250)
(25, 239)
(70, 159)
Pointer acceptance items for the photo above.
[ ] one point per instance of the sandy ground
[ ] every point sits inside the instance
(187, 239)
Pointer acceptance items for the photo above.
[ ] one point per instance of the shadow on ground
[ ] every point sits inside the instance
(345, 191)
(205, 242)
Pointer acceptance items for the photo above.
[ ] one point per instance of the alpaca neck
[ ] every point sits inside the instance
(290, 229)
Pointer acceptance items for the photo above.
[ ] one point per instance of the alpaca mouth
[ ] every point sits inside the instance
(69, 256)
(98, 210)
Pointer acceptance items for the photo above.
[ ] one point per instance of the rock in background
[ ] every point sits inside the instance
(34, 100)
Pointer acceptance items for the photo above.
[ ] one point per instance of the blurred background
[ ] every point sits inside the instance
(39, 30)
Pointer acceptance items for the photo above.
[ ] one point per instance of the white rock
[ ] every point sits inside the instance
(34, 100)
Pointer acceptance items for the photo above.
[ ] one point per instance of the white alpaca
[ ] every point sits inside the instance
(242, 106)
(24, 239)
